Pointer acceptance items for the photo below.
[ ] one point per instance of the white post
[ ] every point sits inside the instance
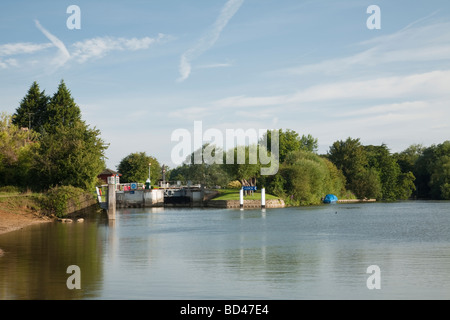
(99, 197)
(263, 197)
(111, 201)
(241, 198)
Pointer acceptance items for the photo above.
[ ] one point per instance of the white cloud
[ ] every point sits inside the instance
(4, 64)
(209, 39)
(411, 44)
(433, 84)
(82, 51)
(9, 49)
(99, 47)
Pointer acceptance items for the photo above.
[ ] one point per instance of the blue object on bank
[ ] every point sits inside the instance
(330, 198)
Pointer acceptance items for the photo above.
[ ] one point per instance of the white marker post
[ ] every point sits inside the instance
(241, 198)
(263, 198)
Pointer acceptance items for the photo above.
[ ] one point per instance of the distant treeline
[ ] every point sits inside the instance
(348, 170)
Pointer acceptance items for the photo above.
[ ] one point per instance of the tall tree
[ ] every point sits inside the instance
(70, 155)
(31, 112)
(350, 157)
(380, 158)
(433, 172)
(61, 110)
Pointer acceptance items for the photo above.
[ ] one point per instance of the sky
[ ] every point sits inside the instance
(140, 70)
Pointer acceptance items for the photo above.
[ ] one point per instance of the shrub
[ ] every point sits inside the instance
(57, 200)
(234, 185)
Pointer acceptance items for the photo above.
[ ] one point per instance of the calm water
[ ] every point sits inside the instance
(296, 253)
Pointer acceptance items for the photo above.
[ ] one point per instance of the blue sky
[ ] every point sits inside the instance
(141, 69)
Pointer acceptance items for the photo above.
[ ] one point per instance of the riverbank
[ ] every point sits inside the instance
(19, 212)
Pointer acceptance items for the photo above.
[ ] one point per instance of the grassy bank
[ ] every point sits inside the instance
(233, 194)
(12, 202)
(56, 202)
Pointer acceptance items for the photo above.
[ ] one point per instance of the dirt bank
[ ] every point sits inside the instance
(16, 215)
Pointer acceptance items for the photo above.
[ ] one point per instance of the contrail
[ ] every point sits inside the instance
(209, 39)
(64, 53)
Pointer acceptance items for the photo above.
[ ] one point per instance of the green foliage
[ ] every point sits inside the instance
(406, 186)
(210, 172)
(234, 185)
(135, 167)
(56, 201)
(66, 152)
(440, 172)
(290, 141)
(71, 155)
(275, 185)
(245, 163)
(349, 157)
(372, 171)
(367, 184)
(432, 170)
(61, 110)
(31, 112)
(388, 169)
(305, 178)
(17, 149)
(408, 158)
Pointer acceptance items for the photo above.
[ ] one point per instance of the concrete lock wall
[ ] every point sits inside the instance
(140, 198)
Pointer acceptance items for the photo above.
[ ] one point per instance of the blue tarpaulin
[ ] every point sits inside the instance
(330, 198)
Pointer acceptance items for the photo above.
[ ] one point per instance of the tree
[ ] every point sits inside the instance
(367, 184)
(135, 167)
(306, 177)
(432, 172)
(210, 172)
(32, 109)
(70, 155)
(407, 158)
(350, 157)
(290, 141)
(309, 143)
(17, 149)
(439, 171)
(61, 110)
(385, 164)
(247, 169)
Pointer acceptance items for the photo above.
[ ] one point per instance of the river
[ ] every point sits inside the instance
(319, 252)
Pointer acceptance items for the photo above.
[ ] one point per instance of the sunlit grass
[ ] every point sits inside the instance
(233, 194)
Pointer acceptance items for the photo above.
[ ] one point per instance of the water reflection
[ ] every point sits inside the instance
(36, 260)
(295, 253)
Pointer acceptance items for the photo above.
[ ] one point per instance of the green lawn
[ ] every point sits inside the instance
(233, 194)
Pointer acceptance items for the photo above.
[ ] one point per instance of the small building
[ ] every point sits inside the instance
(105, 174)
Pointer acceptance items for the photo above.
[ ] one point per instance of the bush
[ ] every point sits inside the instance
(57, 200)
(234, 185)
